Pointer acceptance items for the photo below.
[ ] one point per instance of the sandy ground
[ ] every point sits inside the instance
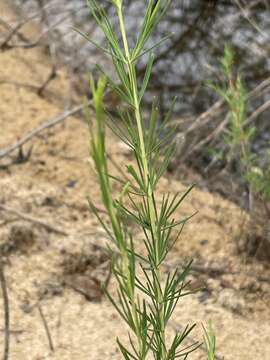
(57, 271)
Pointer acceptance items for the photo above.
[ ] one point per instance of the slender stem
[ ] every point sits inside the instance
(153, 220)
(139, 125)
(132, 77)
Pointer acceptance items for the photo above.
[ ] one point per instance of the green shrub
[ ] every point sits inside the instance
(240, 134)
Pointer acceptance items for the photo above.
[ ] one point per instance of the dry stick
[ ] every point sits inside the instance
(29, 45)
(207, 114)
(52, 75)
(245, 12)
(8, 27)
(235, 15)
(52, 50)
(16, 332)
(257, 112)
(6, 310)
(34, 220)
(210, 137)
(35, 43)
(12, 32)
(15, 30)
(216, 271)
(260, 88)
(46, 327)
(46, 125)
(40, 222)
(18, 84)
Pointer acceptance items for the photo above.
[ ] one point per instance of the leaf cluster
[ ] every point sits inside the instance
(210, 342)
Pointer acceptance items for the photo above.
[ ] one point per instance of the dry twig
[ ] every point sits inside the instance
(46, 125)
(46, 327)
(218, 271)
(16, 31)
(218, 130)
(257, 112)
(204, 118)
(6, 311)
(34, 220)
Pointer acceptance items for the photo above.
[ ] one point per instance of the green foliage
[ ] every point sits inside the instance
(216, 153)
(233, 91)
(239, 135)
(260, 179)
(145, 302)
(210, 342)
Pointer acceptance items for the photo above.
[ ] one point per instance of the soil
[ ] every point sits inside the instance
(53, 247)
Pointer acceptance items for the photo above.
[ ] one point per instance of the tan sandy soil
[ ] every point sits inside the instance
(52, 271)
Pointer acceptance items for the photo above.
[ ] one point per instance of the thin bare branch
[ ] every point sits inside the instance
(46, 125)
(246, 14)
(34, 220)
(6, 311)
(15, 31)
(206, 116)
(46, 327)
(257, 112)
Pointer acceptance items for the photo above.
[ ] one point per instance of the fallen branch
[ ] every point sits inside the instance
(8, 27)
(29, 218)
(15, 332)
(51, 76)
(52, 48)
(218, 271)
(218, 130)
(46, 327)
(6, 311)
(208, 114)
(257, 112)
(18, 84)
(245, 12)
(46, 125)
(16, 31)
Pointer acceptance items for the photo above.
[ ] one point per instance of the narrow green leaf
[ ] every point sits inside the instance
(146, 76)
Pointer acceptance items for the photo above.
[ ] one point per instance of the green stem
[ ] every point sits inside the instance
(126, 48)
(153, 220)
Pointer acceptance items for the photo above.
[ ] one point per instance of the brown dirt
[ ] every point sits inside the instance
(62, 273)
